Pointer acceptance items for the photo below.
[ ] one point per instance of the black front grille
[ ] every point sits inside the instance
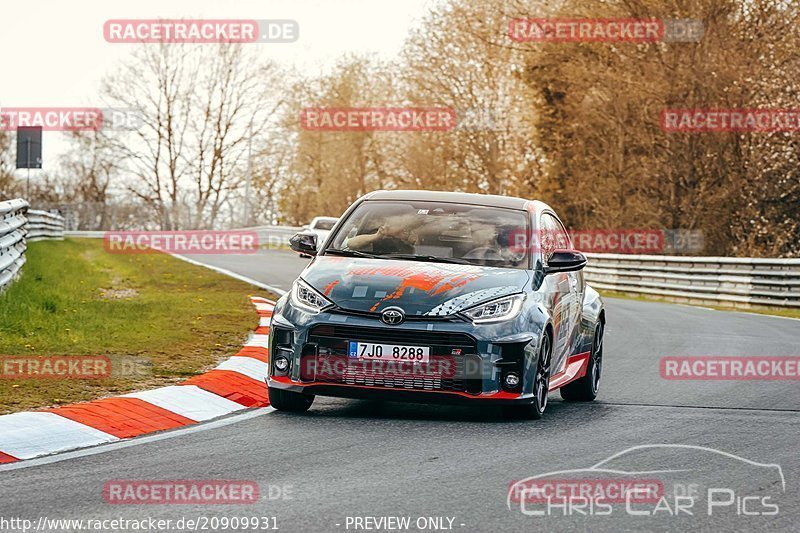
(331, 364)
(390, 335)
(409, 318)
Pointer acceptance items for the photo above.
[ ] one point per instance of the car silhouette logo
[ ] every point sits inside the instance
(393, 316)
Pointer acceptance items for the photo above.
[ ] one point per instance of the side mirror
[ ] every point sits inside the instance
(304, 243)
(565, 261)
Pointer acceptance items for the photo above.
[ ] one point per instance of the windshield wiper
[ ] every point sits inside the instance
(432, 258)
(349, 253)
(411, 257)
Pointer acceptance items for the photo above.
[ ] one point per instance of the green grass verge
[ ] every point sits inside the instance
(76, 299)
(774, 311)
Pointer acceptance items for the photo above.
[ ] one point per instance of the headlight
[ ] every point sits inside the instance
(307, 298)
(496, 310)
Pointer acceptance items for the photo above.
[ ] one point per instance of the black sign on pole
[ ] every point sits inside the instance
(29, 147)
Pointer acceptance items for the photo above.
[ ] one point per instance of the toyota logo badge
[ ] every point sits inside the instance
(393, 316)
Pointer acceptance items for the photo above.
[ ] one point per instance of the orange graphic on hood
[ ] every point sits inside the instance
(329, 287)
(432, 281)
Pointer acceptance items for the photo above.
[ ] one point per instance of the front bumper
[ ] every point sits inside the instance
(359, 392)
(476, 358)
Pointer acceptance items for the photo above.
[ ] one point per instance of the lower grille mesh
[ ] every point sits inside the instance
(445, 371)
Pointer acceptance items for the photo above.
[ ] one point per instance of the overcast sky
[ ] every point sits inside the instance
(54, 53)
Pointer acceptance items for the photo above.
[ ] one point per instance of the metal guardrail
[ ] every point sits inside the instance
(275, 236)
(18, 225)
(85, 234)
(268, 236)
(44, 225)
(12, 239)
(723, 281)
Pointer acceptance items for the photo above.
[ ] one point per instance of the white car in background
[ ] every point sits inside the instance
(321, 227)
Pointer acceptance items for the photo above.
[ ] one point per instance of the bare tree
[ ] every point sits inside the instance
(9, 187)
(198, 107)
(88, 168)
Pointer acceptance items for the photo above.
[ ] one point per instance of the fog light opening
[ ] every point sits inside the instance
(281, 364)
(511, 380)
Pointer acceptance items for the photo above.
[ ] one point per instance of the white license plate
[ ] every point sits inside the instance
(388, 352)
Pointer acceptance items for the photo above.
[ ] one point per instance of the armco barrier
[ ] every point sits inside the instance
(12, 239)
(268, 236)
(723, 281)
(44, 225)
(274, 236)
(18, 225)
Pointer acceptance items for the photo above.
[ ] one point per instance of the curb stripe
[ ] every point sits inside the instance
(5, 458)
(30, 434)
(248, 366)
(189, 401)
(233, 386)
(122, 417)
(256, 352)
(262, 341)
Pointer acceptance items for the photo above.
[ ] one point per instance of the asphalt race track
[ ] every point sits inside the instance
(366, 459)
(277, 268)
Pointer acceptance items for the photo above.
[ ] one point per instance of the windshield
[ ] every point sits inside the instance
(326, 225)
(435, 231)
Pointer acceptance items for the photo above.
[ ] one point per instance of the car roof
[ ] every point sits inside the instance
(488, 200)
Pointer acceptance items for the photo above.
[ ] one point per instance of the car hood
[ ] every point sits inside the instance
(418, 288)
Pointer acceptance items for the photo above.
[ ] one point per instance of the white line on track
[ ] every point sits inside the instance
(232, 274)
(138, 440)
(740, 311)
(766, 315)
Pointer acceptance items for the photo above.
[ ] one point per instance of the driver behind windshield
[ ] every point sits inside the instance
(397, 234)
(450, 233)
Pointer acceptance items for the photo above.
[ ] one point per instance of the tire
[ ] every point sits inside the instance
(284, 400)
(541, 385)
(585, 389)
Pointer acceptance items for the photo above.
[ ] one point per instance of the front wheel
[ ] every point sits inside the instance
(284, 400)
(541, 386)
(585, 389)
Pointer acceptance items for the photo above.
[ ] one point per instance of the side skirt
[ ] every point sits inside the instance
(575, 369)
